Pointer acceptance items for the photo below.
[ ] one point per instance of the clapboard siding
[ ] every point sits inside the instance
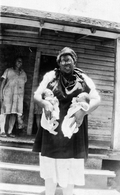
(95, 56)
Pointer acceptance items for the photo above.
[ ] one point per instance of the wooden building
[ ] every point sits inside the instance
(38, 36)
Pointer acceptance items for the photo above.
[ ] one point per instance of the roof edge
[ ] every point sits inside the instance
(71, 20)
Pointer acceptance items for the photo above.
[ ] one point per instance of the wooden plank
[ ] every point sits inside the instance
(57, 48)
(78, 30)
(98, 59)
(54, 44)
(102, 109)
(49, 42)
(109, 70)
(100, 129)
(103, 88)
(54, 40)
(34, 85)
(19, 22)
(97, 124)
(19, 189)
(95, 62)
(94, 57)
(100, 53)
(96, 70)
(102, 78)
(101, 132)
(115, 143)
(36, 168)
(99, 82)
(100, 138)
(63, 37)
(103, 127)
(108, 102)
(56, 27)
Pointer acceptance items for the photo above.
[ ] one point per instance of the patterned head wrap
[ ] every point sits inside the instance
(65, 51)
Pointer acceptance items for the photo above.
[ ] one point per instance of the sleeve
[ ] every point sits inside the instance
(5, 74)
(93, 92)
(48, 77)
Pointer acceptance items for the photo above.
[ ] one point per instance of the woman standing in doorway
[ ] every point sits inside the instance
(12, 94)
(62, 158)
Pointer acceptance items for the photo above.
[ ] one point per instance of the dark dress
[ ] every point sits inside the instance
(58, 146)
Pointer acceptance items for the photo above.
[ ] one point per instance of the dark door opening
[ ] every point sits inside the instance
(47, 63)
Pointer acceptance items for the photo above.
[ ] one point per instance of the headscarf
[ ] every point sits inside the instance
(65, 51)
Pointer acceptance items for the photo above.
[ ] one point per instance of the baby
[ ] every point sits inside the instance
(50, 124)
(81, 102)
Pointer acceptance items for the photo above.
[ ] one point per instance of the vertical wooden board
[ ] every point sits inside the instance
(34, 84)
(116, 128)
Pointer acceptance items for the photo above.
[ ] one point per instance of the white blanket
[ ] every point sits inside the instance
(69, 126)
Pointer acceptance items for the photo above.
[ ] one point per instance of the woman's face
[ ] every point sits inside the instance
(18, 63)
(66, 64)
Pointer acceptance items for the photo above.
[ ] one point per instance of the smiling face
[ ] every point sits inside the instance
(18, 63)
(66, 64)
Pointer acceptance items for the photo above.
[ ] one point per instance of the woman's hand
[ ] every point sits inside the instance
(79, 116)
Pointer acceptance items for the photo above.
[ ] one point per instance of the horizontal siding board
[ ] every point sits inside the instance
(99, 127)
(103, 78)
(95, 62)
(104, 48)
(100, 138)
(56, 40)
(94, 57)
(99, 53)
(101, 132)
(90, 68)
(96, 70)
(103, 87)
(100, 82)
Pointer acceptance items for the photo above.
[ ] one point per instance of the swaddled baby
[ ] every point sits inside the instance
(50, 124)
(81, 102)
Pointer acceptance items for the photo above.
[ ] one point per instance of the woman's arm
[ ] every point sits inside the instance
(94, 99)
(1, 88)
(38, 94)
(93, 94)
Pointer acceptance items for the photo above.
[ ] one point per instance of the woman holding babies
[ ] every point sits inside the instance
(61, 156)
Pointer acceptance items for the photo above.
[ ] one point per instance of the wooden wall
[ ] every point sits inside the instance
(96, 57)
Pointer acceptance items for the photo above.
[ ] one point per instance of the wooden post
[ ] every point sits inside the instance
(34, 84)
(116, 130)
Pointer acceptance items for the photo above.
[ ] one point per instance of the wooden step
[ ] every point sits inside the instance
(110, 175)
(26, 156)
(26, 141)
(37, 168)
(18, 155)
(16, 189)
